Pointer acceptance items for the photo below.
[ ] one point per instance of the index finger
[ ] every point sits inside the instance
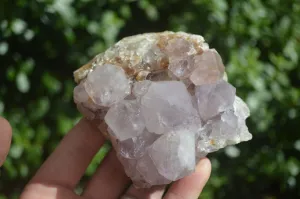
(68, 162)
(190, 187)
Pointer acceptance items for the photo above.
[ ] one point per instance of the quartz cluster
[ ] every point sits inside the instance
(164, 102)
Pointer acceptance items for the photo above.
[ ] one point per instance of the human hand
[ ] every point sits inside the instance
(59, 175)
(5, 139)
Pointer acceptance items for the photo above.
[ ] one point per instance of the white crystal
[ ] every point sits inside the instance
(82, 100)
(124, 119)
(136, 147)
(107, 85)
(183, 67)
(244, 133)
(212, 138)
(153, 57)
(179, 47)
(242, 111)
(130, 166)
(226, 129)
(209, 68)
(174, 154)
(80, 94)
(166, 106)
(213, 99)
(205, 146)
(149, 171)
(140, 88)
(240, 108)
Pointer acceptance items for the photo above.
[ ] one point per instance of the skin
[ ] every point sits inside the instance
(60, 173)
(5, 139)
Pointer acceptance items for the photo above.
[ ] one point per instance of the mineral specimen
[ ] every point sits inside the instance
(164, 101)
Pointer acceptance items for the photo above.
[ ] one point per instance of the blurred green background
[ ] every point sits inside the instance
(43, 41)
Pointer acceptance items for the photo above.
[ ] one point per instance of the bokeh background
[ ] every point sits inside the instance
(43, 41)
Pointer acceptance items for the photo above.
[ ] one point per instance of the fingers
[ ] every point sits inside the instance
(155, 192)
(109, 181)
(44, 191)
(68, 162)
(5, 139)
(191, 186)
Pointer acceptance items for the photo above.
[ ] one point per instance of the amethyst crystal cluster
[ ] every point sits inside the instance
(164, 102)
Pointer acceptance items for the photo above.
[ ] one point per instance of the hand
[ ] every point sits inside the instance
(59, 175)
(5, 139)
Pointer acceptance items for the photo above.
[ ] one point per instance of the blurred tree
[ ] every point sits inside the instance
(43, 41)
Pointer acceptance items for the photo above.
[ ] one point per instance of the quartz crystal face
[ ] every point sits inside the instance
(164, 101)
(107, 85)
(125, 119)
(165, 106)
(174, 154)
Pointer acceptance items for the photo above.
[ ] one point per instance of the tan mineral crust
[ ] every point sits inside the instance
(164, 101)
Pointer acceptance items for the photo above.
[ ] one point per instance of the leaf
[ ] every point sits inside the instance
(18, 26)
(51, 83)
(22, 82)
(16, 151)
(3, 48)
(40, 108)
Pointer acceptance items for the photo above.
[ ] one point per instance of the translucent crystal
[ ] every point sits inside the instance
(205, 146)
(107, 85)
(174, 154)
(130, 166)
(124, 119)
(179, 47)
(163, 101)
(153, 57)
(213, 99)
(213, 137)
(136, 147)
(140, 88)
(244, 133)
(240, 108)
(149, 171)
(242, 111)
(80, 94)
(209, 68)
(165, 106)
(182, 68)
(225, 129)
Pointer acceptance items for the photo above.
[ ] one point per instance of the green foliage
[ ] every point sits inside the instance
(43, 42)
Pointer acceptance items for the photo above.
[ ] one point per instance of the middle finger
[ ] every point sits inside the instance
(109, 181)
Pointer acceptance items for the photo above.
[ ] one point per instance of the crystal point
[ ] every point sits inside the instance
(213, 99)
(209, 68)
(107, 85)
(136, 147)
(174, 154)
(149, 171)
(166, 105)
(124, 119)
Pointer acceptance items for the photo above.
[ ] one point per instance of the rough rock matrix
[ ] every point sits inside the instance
(163, 101)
